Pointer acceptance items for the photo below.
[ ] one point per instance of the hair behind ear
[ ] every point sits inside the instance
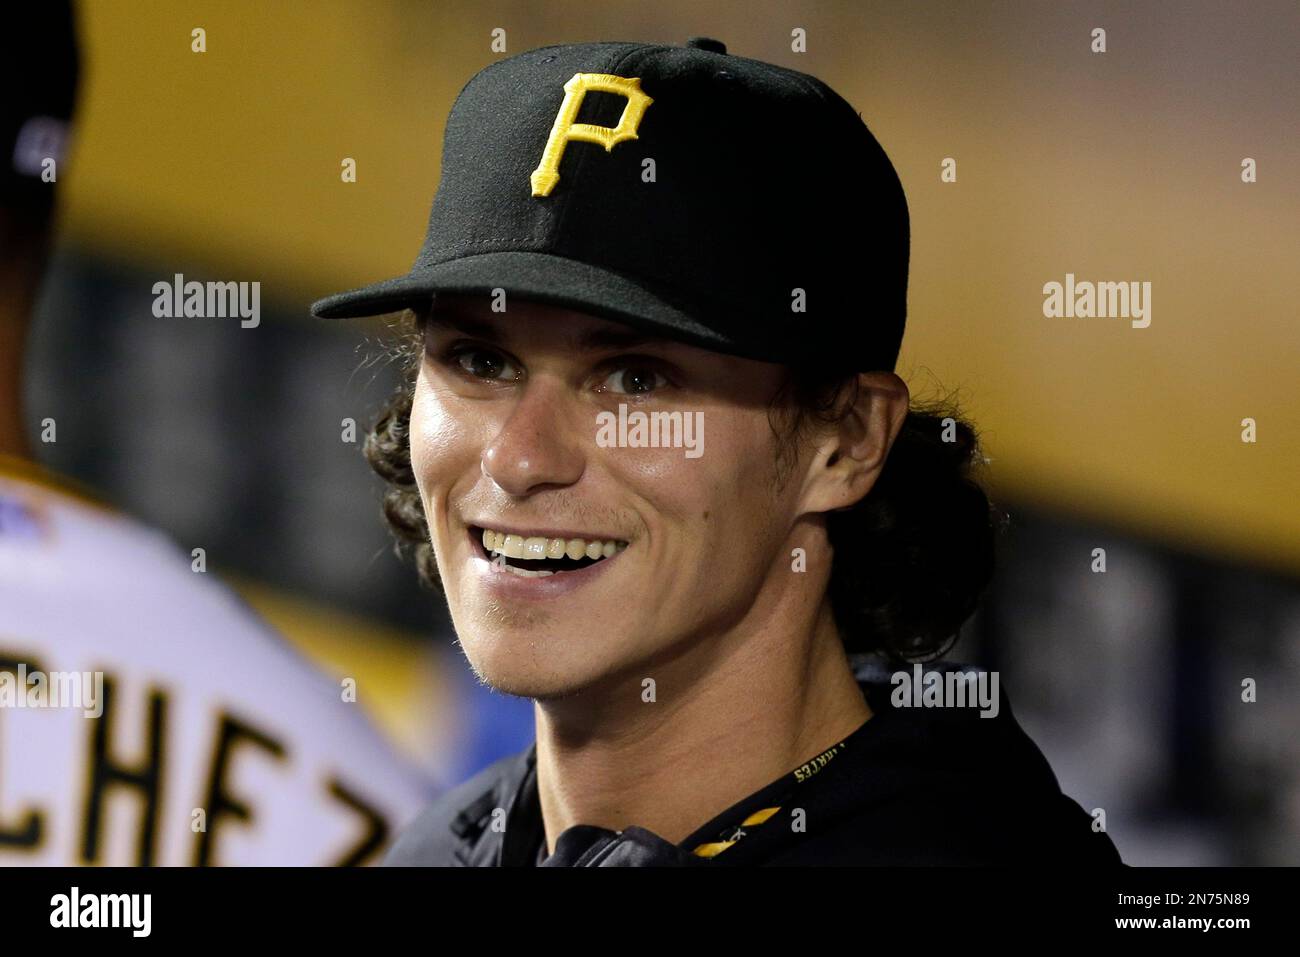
(913, 557)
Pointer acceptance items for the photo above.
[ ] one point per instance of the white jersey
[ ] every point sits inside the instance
(214, 743)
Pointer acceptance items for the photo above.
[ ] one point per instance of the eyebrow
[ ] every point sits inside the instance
(592, 340)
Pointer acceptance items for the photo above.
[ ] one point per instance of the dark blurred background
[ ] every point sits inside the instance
(1117, 166)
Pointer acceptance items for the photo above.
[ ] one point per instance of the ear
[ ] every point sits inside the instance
(848, 457)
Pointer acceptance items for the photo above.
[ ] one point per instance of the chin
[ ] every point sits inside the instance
(530, 650)
(518, 679)
(528, 662)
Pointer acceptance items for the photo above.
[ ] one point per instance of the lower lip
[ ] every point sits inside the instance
(508, 584)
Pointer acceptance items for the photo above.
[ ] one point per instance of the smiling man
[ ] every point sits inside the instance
(655, 236)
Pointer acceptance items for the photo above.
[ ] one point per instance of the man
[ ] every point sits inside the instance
(147, 716)
(655, 454)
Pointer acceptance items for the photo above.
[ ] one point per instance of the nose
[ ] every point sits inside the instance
(536, 447)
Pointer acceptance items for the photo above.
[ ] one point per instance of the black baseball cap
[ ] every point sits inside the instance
(718, 200)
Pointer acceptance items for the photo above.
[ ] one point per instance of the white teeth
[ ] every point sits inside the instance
(538, 547)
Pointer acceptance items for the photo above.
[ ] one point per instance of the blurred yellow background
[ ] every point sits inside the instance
(1117, 166)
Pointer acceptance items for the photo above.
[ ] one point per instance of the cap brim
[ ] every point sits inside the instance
(539, 277)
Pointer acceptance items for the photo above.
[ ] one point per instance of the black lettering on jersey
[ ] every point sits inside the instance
(104, 772)
(220, 804)
(25, 835)
(376, 826)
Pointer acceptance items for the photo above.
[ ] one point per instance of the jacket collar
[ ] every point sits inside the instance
(511, 803)
(513, 799)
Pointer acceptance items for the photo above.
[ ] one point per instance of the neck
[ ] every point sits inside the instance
(732, 714)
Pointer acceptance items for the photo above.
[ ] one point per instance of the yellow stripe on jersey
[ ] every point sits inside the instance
(714, 848)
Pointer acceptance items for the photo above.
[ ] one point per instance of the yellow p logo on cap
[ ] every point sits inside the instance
(565, 129)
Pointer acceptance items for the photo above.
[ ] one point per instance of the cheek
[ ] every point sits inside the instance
(742, 471)
(732, 480)
(441, 443)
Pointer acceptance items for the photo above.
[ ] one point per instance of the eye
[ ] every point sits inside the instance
(486, 364)
(634, 378)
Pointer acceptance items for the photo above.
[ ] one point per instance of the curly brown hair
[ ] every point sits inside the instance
(931, 527)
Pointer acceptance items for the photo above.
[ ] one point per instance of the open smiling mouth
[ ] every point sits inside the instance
(539, 557)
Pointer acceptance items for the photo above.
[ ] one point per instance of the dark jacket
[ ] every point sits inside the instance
(911, 786)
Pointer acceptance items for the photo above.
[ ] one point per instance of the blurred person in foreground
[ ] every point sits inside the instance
(147, 716)
(653, 449)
